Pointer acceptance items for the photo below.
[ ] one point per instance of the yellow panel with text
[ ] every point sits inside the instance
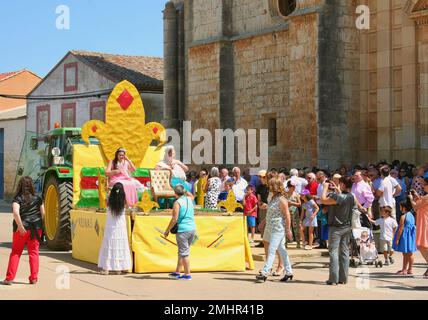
(219, 246)
(87, 232)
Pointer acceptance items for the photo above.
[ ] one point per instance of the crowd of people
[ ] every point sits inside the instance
(314, 208)
(320, 206)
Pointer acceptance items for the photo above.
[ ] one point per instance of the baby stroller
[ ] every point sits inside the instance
(363, 248)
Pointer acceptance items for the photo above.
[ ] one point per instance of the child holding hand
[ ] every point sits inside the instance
(405, 238)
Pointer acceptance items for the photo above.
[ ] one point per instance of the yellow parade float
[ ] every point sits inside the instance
(221, 242)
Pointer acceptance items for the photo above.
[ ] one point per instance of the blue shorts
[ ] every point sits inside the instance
(251, 221)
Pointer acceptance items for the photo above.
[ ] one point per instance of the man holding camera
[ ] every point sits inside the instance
(340, 207)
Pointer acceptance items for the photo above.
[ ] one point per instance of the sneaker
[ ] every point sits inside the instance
(391, 260)
(251, 241)
(307, 247)
(185, 277)
(386, 263)
(174, 275)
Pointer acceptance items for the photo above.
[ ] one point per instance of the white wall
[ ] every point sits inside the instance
(14, 132)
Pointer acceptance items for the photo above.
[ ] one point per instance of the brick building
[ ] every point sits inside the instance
(82, 72)
(323, 88)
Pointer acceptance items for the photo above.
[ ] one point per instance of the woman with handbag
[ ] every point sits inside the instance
(28, 215)
(182, 224)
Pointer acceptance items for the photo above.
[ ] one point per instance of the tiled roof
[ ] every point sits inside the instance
(5, 75)
(146, 73)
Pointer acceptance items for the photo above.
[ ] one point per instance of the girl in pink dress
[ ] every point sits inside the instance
(420, 204)
(119, 170)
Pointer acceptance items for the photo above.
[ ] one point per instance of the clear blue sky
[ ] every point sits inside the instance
(29, 37)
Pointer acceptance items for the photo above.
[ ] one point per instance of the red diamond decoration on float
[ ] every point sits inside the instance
(155, 130)
(94, 128)
(125, 99)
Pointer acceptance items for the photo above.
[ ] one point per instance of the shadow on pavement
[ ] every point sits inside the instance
(148, 277)
(65, 257)
(415, 288)
(7, 245)
(386, 275)
(310, 265)
(237, 279)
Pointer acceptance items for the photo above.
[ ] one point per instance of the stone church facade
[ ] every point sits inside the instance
(328, 93)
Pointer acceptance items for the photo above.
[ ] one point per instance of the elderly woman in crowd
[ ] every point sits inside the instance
(418, 181)
(169, 162)
(420, 204)
(278, 225)
(212, 189)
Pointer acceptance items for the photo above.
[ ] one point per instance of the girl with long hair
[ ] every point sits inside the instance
(28, 215)
(115, 254)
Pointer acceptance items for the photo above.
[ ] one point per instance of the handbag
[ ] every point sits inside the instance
(174, 228)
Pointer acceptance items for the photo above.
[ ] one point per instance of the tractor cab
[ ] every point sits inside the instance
(59, 147)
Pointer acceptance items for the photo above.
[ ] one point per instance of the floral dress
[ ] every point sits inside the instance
(213, 192)
(275, 222)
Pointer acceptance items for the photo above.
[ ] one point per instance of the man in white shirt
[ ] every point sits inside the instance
(300, 183)
(388, 190)
(240, 185)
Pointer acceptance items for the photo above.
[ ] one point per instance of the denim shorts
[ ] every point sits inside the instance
(251, 221)
(184, 241)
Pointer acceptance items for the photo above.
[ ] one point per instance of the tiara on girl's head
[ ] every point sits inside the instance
(121, 150)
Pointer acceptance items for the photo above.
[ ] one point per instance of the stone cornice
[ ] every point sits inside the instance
(418, 11)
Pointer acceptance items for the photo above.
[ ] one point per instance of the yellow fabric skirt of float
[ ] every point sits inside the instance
(221, 243)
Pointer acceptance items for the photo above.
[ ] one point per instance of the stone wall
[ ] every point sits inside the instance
(251, 16)
(207, 19)
(203, 85)
(301, 127)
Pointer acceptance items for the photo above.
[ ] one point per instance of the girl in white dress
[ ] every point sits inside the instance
(115, 254)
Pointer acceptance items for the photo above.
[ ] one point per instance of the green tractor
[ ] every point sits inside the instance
(53, 173)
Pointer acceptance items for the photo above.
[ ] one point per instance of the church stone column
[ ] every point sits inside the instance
(170, 82)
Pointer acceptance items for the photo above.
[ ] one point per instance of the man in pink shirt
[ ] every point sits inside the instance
(362, 191)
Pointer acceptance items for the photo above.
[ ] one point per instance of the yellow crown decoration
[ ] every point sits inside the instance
(230, 204)
(125, 125)
(146, 204)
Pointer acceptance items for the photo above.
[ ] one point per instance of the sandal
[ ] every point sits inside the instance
(277, 273)
(410, 272)
(401, 273)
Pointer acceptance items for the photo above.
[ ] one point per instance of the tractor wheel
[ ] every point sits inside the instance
(58, 196)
